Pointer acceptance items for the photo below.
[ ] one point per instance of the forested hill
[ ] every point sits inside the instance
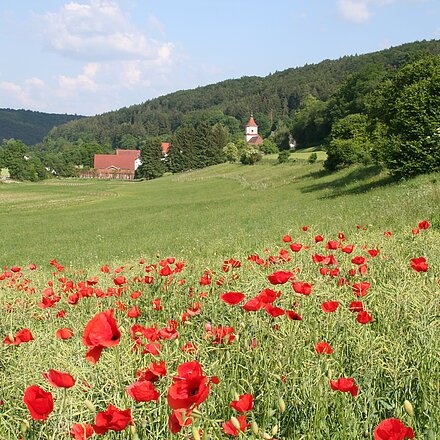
(29, 126)
(273, 100)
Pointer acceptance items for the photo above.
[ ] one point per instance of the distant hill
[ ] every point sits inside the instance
(30, 126)
(273, 100)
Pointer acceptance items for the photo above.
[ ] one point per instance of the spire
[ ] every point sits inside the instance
(251, 122)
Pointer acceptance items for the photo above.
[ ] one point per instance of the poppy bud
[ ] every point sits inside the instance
(235, 422)
(281, 404)
(11, 337)
(271, 413)
(195, 432)
(408, 408)
(266, 436)
(90, 406)
(24, 426)
(274, 430)
(254, 427)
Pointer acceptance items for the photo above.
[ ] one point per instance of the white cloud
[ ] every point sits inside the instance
(359, 11)
(354, 10)
(26, 95)
(98, 30)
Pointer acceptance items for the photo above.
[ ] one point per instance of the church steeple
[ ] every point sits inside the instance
(251, 129)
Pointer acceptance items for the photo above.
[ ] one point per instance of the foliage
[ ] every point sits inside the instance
(250, 155)
(310, 124)
(274, 100)
(230, 151)
(22, 165)
(269, 146)
(349, 142)
(408, 107)
(312, 158)
(284, 156)
(152, 161)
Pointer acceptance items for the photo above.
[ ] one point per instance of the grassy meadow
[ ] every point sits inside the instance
(212, 220)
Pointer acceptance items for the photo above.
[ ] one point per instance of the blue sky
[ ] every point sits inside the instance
(92, 56)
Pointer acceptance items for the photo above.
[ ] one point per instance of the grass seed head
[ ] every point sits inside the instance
(254, 427)
(281, 404)
(235, 422)
(408, 408)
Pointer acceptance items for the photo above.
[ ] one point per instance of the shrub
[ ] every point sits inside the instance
(313, 158)
(250, 155)
(269, 147)
(283, 157)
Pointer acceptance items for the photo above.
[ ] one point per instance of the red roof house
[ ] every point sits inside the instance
(121, 165)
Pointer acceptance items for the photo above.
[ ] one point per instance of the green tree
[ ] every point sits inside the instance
(151, 156)
(349, 142)
(408, 105)
(230, 150)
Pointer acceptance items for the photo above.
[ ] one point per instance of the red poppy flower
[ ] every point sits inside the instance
(152, 372)
(356, 306)
(323, 348)
(296, 247)
(318, 238)
(81, 431)
(345, 385)
(332, 245)
(424, 225)
(303, 288)
(178, 419)
(100, 332)
(232, 298)
(230, 429)
(392, 429)
(38, 402)
(415, 231)
(287, 238)
(59, 379)
(329, 306)
(156, 303)
(134, 312)
(143, 391)
(373, 252)
(244, 403)
(274, 311)
(419, 264)
(364, 317)
(119, 281)
(112, 419)
(280, 277)
(358, 260)
(293, 315)
(348, 249)
(23, 335)
(153, 348)
(361, 289)
(189, 388)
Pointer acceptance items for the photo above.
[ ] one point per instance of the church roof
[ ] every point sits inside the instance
(251, 123)
(256, 140)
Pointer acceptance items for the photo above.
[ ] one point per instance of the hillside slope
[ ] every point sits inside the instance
(273, 100)
(30, 126)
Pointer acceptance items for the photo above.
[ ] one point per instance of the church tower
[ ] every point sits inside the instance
(251, 133)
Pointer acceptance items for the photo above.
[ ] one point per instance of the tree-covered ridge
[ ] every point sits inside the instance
(274, 100)
(30, 126)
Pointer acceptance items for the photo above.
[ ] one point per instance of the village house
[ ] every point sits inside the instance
(121, 165)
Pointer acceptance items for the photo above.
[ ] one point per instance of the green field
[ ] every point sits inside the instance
(203, 218)
(207, 213)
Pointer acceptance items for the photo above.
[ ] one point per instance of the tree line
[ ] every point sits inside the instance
(359, 108)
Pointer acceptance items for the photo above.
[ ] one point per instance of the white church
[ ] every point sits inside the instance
(251, 133)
